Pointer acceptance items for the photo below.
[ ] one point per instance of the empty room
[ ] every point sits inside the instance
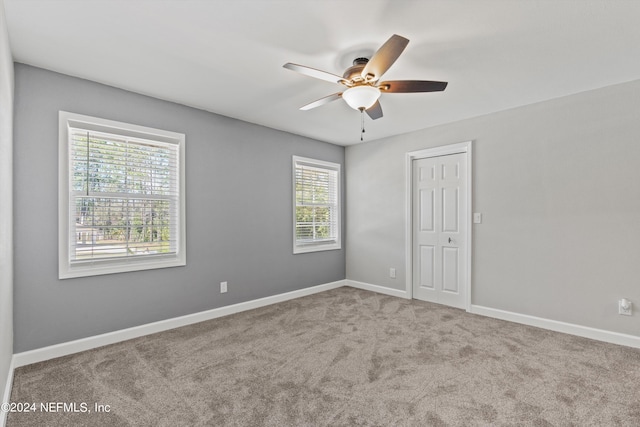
(319, 213)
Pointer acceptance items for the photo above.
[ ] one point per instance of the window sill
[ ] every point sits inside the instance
(96, 269)
(303, 249)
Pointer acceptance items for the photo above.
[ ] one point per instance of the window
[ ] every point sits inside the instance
(316, 212)
(121, 201)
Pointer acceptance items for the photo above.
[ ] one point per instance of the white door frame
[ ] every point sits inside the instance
(443, 150)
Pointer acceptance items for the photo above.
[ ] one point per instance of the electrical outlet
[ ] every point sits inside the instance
(625, 307)
(223, 287)
(392, 273)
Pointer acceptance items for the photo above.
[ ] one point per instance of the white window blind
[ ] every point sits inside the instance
(317, 210)
(125, 199)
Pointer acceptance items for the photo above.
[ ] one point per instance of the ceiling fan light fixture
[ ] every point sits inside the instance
(361, 97)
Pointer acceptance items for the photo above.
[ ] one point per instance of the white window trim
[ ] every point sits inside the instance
(319, 246)
(65, 269)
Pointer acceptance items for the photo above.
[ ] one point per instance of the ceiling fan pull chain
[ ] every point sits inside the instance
(362, 124)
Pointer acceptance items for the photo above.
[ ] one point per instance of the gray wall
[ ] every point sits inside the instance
(6, 205)
(239, 214)
(558, 184)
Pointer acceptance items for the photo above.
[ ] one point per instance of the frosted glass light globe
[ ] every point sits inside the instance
(361, 97)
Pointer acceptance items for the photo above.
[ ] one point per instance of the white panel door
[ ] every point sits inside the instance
(439, 229)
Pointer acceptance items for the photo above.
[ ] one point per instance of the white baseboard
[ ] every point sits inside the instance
(6, 396)
(71, 347)
(376, 288)
(554, 325)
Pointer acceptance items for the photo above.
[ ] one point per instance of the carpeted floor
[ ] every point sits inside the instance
(345, 357)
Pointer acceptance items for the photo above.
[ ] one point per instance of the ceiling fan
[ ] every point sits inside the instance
(361, 80)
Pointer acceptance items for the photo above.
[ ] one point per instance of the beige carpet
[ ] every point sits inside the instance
(341, 358)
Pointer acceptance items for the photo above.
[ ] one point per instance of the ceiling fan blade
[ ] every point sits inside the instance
(321, 101)
(384, 57)
(375, 111)
(408, 86)
(312, 72)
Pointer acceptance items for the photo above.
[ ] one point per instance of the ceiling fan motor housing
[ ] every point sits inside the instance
(354, 73)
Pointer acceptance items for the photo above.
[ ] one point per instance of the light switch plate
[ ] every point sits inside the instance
(477, 218)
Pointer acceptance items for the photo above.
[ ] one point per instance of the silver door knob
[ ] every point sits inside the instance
(450, 240)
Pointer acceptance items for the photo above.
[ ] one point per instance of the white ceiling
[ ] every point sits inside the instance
(226, 56)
